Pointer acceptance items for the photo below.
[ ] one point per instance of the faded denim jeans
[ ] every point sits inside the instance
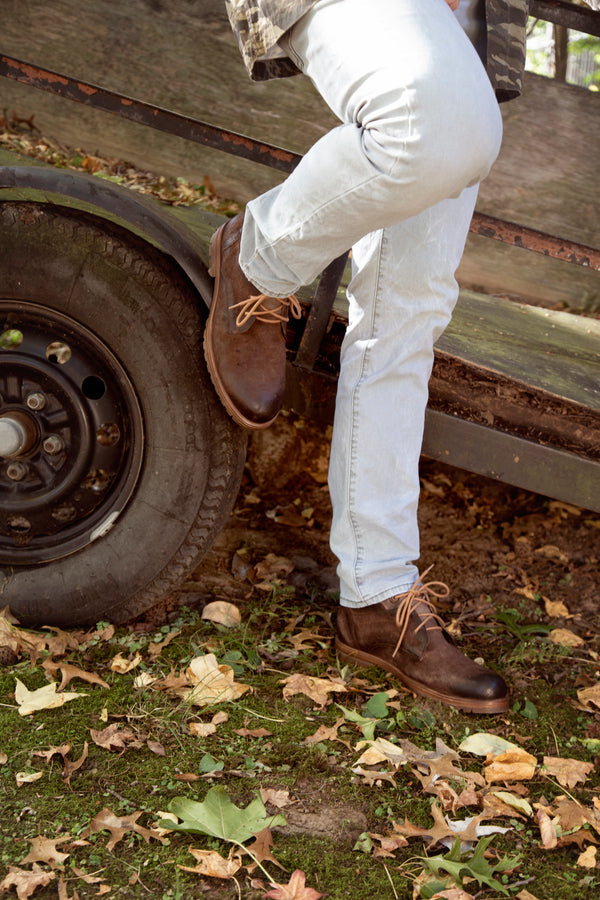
(397, 182)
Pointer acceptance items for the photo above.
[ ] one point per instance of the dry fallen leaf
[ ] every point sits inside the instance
(155, 649)
(327, 733)
(73, 766)
(121, 665)
(27, 777)
(118, 826)
(587, 859)
(68, 672)
(556, 609)
(547, 829)
(210, 683)
(202, 729)
(278, 798)
(589, 697)
(44, 698)
(565, 637)
(45, 850)
(315, 688)
(26, 882)
(115, 740)
(379, 751)
(568, 772)
(512, 765)
(223, 613)
(295, 889)
(211, 864)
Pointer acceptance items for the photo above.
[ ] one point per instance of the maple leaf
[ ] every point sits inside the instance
(44, 698)
(260, 849)
(295, 889)
(219, 817)
(26, 882)
(45, 850)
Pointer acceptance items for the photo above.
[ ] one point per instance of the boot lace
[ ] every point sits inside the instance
(254, 307)
(418, 596)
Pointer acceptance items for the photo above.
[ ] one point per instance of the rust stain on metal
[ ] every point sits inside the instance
(32, 74)
(87, 88)
(237, 140)
(126, 102)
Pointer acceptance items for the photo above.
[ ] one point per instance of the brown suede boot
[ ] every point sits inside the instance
(405, 636)
(244, 340)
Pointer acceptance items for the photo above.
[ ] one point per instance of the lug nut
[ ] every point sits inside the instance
(53, 444)
(16, 471)
(36, 401)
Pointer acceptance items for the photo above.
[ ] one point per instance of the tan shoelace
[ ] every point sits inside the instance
(254, 308)
(420, 593)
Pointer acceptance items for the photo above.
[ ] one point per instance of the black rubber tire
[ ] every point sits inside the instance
(139, 304)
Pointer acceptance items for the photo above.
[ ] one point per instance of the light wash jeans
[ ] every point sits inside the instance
(397, 182)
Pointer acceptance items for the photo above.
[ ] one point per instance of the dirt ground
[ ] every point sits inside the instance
(495, 546)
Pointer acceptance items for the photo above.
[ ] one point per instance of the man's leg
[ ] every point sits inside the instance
(402, 295)
(419, 124)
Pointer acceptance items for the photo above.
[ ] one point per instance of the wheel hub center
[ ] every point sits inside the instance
(18, 434)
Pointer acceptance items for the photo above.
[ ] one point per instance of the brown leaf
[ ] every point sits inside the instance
(155, 649)
(73, 766)
(547, 829)
(119, 826)
(280, 799)
(315, 688)
(568, 772)
(565, 637)
(156, 747)
(589, 697)
(261, 849)
(62, 891)
(327, 733)
(295, 889)
(211, 864)
(53, 751)
(110, 738)
(223, 613)
(252, 732)
(26, 882)
(512, 765)
(45, 850)
(68, 672)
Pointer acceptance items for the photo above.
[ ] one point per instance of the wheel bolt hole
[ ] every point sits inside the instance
(11, 339)
(93, 387)
(19, 524)
(96, 480)
(108, 435)
(64, 514)
(58, 352)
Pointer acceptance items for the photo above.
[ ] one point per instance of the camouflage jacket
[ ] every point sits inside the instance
(258, 25)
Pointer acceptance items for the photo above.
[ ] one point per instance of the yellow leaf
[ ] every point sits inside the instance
(44, 698)
(565, 637)
(222, 613)
(210, 682)
(211, 864)
(27, 777)
(122, 665)
(556, 608)
(379, 751)
(512, 765)
(515, 802)
(202, 729)
(587, 859)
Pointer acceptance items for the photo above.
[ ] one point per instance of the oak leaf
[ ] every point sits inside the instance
(115, 740)
(568, 772)
(119, 826)
(73, 766)
(68, 672)
(45, 850)
(295, 889)
(25, 881)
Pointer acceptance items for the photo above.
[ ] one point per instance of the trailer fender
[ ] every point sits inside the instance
(143, 215)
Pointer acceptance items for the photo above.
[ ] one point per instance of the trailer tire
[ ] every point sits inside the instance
(120, 465)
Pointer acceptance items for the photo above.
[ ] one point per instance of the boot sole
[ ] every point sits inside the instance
(359, 658)
(214, 270)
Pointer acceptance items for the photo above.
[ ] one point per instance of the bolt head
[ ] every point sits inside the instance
(16, 471)
(53, 444)
(36, 400)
